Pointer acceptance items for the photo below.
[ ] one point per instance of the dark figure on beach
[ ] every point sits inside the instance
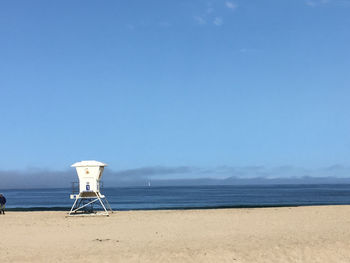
(2, 204)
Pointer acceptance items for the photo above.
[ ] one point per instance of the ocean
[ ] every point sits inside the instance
(187, 197)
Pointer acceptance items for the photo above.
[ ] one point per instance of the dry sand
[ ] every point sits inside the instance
(298, 234)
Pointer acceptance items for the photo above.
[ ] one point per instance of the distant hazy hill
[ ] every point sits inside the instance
(234, 181)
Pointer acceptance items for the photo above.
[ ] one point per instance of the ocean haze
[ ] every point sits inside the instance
(180, 176)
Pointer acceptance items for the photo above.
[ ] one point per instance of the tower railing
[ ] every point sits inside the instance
(75, 188)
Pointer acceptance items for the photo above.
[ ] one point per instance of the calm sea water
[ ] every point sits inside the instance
(186, 197)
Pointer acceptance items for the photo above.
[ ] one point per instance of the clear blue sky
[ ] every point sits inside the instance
(171, 83)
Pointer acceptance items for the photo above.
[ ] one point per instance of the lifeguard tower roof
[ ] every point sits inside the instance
(88, 163)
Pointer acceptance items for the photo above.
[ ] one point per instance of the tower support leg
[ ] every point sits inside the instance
(82, 202)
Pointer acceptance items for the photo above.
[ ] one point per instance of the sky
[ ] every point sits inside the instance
(171, 84)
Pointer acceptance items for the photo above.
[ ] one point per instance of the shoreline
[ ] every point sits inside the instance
(66, 208)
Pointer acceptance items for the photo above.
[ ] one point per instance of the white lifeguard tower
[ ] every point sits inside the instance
(89, 173)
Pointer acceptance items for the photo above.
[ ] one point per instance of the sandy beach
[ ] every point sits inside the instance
(296, 234)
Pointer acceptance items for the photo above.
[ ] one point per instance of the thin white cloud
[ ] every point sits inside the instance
(212, 15)
(231, 5)
(218, 21)
(200, 20)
